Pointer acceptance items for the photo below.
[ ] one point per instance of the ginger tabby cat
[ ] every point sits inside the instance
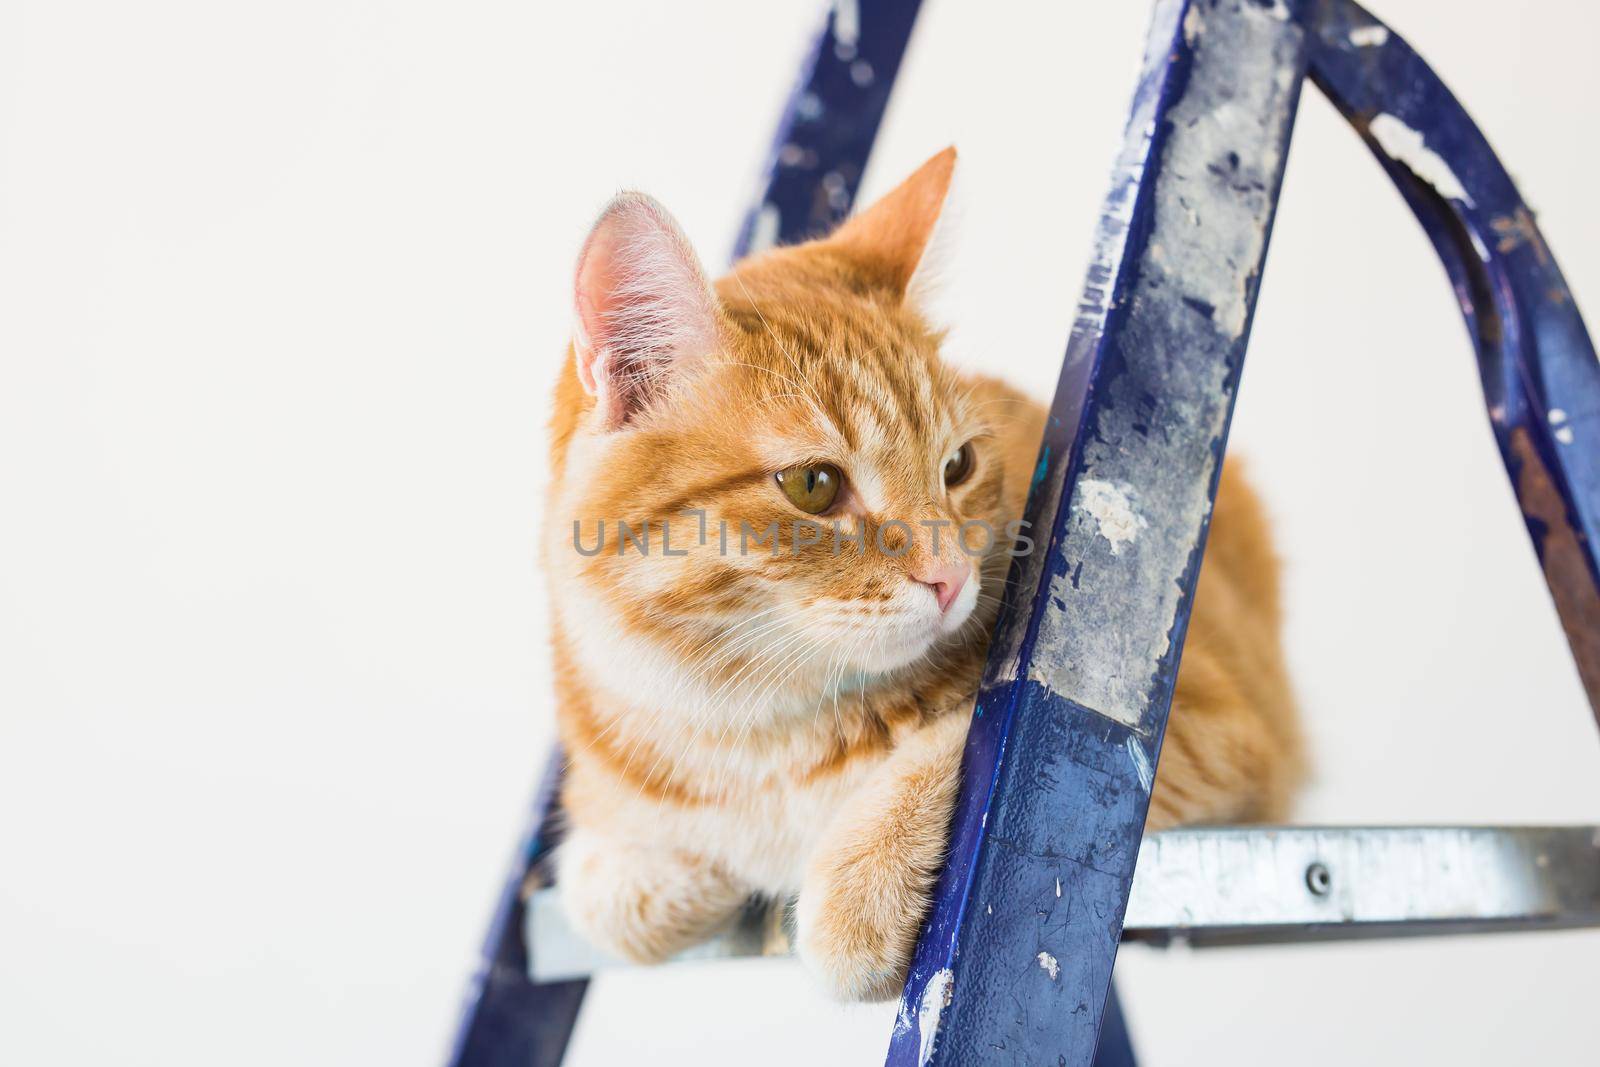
(786, 716)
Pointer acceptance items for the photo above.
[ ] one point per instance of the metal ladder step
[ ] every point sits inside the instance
(1218, 886)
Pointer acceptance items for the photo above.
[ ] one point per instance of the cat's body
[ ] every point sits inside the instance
(738, 721)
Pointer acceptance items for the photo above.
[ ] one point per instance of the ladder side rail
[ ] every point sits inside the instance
(1541, 379)
(507, 1018)
(825, 135)
(1070, 717)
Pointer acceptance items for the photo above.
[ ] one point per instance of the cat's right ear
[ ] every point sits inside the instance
(643, 307)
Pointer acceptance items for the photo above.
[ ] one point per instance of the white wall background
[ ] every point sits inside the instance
(282, 291)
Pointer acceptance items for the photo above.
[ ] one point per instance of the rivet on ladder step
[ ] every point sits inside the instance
(1319, 879)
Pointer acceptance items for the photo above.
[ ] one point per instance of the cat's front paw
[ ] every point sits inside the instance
(857, 930)
(867, 886)
(639, 904)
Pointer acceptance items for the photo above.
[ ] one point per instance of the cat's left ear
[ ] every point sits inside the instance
(901, 236)
(644, 307)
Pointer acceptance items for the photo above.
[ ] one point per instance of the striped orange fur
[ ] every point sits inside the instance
(787, 717)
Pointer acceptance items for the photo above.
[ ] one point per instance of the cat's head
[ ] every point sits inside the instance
(804, 392)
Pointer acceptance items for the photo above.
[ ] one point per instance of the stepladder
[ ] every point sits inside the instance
(1081, 673)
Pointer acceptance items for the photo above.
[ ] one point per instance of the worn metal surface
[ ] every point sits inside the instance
(558, 953)
(825, 136)
(1116, 1044)
(1247, 885)
(810, 181)
(1071, 714)
(1540, 376)
(1266, 885)
(507, 1019)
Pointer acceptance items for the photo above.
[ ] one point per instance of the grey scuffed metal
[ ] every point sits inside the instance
(1220, 169)
(557, 953)
(1111, 241)
(1249, 885)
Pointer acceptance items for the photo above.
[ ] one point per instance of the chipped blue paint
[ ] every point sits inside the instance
(1074, 701)
(506, 1019)
(1541, 380)
(814, 168)
(1142, 767)
(1041, 469)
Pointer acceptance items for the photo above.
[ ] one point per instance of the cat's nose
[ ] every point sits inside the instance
(945, 578)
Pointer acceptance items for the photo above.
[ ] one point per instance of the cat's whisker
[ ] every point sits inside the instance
(838, 682)
(798, 660)
(732, 642)
(793, 652)
(748, 640)
(679, 686)
(731, 647)
(721, 695)
(705, 715)
(728, 690)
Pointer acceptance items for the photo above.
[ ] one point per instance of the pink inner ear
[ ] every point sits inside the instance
(593, 281)
(643, 306)
(585, 350)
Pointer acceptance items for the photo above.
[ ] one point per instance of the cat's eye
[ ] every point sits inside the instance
(812, 489)
(958, 465)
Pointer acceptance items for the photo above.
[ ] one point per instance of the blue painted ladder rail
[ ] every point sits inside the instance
(1015, 961)
(1541, 380)
(1066, 735)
